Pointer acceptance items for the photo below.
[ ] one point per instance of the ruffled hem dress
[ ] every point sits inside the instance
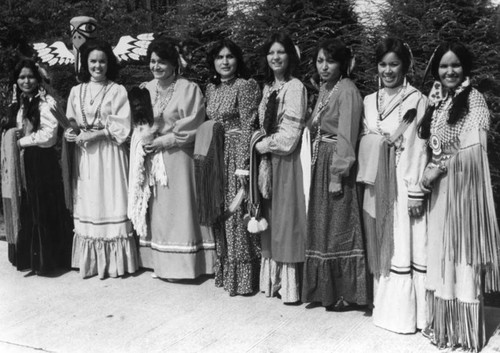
(104, 244)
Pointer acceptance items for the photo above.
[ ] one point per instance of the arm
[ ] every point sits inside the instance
(248, 98)
(191, 111)
(350, 111)
(46, 135)
(414, 157)
(287, 137)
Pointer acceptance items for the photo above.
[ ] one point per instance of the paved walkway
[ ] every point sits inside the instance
(65, 313)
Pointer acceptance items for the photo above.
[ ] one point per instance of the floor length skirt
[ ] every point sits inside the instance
(335, 265)
(176, 246)
(46, 234)
(283, 243)
(238, 251)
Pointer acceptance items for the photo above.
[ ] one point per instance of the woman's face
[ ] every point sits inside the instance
(27, 82)
(160, 68)
(277, 58)
(451, 72)
(98, 65)
(226, 64)
(390, 70)
(328, 69)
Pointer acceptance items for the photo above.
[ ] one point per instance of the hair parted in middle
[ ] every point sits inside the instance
(99, 45)
(293, 57)
(396, 46)
(241, 68)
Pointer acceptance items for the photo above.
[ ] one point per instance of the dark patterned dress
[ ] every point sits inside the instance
(234, 103)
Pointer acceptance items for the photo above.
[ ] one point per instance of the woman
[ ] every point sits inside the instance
(104, 243)
(335, 269)
(391, 161)
(233, 101)
(38, 225)
(282, 116)
(463, 231)
(176, 246)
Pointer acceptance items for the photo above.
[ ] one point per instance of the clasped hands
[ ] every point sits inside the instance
(431, 173)
(84, 138)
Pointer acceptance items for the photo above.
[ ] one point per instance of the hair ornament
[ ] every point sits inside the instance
(412, 59)
(351, 65)
(14, 94)
(43, 73)
(428, 67)
(297, 50)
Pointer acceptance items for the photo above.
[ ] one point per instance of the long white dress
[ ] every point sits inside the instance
(399, 295)
(103, 242)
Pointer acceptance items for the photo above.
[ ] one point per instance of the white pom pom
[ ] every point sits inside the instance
(253, 225)
(263, 224)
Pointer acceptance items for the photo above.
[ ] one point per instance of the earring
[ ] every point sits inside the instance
(379, 83)
(14, 94)
(405, 82)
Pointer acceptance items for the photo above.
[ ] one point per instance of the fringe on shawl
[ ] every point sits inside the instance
(11, 184)
(209, 171)
(385, 188)
(471, 233)
(455, 323)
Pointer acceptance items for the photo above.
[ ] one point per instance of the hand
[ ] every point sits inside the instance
(243, 181)
(335, 188)
(154, 146)
(431, 173)
(88, 137)
(19, 133)
(260, 147)
(69, 135)
(416, 208)
(143, 85)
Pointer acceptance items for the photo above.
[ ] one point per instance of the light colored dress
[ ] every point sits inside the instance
(235, 104)
(399, 292)
(176, 246)
(103, 243)
(464, 240)
(283, 243)
(335, 265)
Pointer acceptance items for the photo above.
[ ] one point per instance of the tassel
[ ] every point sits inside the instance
(263, 224)
(253, 225)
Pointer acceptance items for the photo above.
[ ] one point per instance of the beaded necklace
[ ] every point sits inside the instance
(322, 104)
(97, 114)
(381, 107)
(169, 92)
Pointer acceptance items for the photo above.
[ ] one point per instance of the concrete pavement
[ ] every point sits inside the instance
(65, 313)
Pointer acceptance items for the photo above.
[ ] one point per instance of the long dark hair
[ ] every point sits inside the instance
(30, 104)
(293, 58)
(460, 102)
(396, 46)
(334, 49)
(87, 48)
(241, 69)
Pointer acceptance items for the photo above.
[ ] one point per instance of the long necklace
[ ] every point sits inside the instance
(169, 92)
(322, 104)
(97, 115)
(92, 100)
(381, 107)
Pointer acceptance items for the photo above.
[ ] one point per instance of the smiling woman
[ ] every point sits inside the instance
(104, 243)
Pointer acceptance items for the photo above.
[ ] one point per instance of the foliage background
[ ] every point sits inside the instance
(421, 23)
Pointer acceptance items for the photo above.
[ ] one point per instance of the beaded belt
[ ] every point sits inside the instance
(328, 138)
(233, 132)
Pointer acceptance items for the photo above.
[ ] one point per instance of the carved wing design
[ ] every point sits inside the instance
(133, 48)
(54, 54)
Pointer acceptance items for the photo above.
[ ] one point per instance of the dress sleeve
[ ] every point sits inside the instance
(70, 108)
(350, 111)
(414, 154)
(289, 132)
(248, 98)
(118, 121)
(46, 134)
